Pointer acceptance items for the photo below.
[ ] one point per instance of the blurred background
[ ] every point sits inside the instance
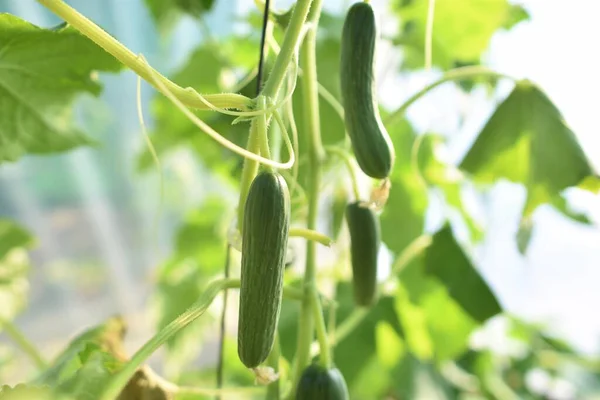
(93, 212)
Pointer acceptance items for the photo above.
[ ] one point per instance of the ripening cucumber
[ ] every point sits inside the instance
(365, 238)
(319, 383)
(371, 143)
(264, 244)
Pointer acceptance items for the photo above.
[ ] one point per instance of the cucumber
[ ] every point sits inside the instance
(264, 244)
(371, 143)
(318, 383)
(365, 236)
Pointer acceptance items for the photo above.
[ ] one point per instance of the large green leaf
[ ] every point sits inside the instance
(14, 266)
(446, 261)
(462, 29)
(41, 73)
(527, 141)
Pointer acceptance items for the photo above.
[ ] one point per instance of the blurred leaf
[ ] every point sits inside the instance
(527, 141)
(446, 179)
(13, 235)
(167, 12)
(96, 368)
(516, 14)
(353, 353)
(461, 32)
(105, 338)
(30, 392)
(14, 267)
(37, 97)
(199, 255)
(403, 218)
(445, 260)
(390, 347)
(414, 324)
(448, 326)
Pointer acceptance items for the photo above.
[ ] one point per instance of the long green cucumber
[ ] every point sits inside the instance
(365, 238)
(371, 143)
(265, 235)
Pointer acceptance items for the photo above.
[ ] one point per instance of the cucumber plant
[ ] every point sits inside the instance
(321, 330)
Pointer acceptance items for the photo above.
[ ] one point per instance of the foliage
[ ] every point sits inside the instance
(428, 335)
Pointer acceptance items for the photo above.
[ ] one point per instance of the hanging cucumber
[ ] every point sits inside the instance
(365, 235)
(319, 383)
(264, 244)
(371, 143)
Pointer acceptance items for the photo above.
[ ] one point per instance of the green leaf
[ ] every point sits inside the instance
(13, 236)
(354, 352)
(390, 346)
(527, 141)
(95, 370)
(446, 261)
(407, 202)
(107, 338)
(14, 267)
(516, 14)
(462, 29)
(167, 12)
(42, 72)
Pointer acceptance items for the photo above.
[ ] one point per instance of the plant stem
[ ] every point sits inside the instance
(288, 47)
(325, 359)
(273, 390)
(112, 46)
(222, 324)
(249, 171)
(315, 157)
(309, 234)
(452, 75)
(19, 338)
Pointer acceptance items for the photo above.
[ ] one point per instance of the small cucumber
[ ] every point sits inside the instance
(365, 236)
(264, 244)
(318, 383)
(371, 143)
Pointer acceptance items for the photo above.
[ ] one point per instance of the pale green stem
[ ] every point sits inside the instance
(288, 47)
(315, 158)
(21, 340)
(325, 358)
(112, 46)
(273, 390)
(249, 171)
(429, 35)
(452, 75)
(310, 234)
(261, 126)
